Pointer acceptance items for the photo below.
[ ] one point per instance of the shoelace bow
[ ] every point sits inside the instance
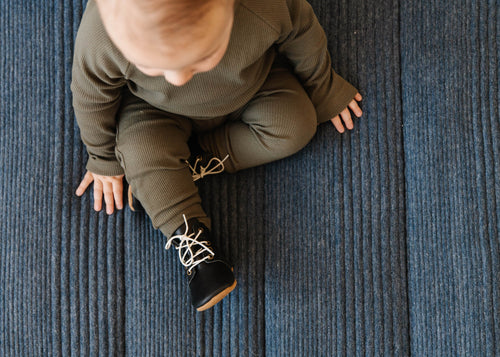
(188, 257)
(202, 171)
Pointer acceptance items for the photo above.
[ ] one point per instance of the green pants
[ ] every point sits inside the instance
(152, 144)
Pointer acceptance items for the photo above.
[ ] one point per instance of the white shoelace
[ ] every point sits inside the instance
(202, 171)
(191, 258)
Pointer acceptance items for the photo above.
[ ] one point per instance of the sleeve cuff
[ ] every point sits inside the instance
(343, 93)
(104, 167)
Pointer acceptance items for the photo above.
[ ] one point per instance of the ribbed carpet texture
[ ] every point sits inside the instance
(383, 241)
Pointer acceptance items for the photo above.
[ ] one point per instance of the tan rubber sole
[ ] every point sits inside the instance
(130, 198)
(217, 298)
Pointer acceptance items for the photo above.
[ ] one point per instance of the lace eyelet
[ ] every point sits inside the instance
(211, 257)
(189, 272)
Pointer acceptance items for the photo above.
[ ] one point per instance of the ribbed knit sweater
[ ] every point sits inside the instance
(261, 30)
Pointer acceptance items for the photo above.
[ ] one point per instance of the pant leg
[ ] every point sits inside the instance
(279, 121)
(151, 147)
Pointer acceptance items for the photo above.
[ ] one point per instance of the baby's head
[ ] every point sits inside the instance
(171, 38)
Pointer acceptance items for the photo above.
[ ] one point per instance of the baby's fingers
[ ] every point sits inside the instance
(355, 109)
(87, 180)
(97, 195)
(338, 124)
(346, 117)
(108, 197)
(118, 194)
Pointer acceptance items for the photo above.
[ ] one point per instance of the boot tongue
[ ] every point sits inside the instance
(192, 244)
(193, 227)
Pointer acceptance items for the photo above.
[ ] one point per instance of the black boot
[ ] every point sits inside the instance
(210, 276)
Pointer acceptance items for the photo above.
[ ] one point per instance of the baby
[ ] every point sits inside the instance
(164, 88)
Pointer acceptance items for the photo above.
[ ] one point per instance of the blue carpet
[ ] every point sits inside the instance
(452, 156)
(382, 241)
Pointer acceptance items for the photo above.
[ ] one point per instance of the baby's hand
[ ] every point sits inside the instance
(346, 115)
(110, 186)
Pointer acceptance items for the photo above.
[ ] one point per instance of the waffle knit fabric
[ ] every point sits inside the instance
(279, 117)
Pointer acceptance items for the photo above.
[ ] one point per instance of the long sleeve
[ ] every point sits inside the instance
(98, 78)
(304, 43)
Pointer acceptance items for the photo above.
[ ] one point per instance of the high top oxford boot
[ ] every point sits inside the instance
(210, 277)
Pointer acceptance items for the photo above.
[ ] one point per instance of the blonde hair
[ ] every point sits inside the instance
(174, 17)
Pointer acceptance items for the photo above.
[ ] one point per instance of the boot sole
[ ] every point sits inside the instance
(217, 298)
(130, 199)
(138, 208)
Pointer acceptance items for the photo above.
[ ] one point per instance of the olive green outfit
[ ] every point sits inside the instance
(252, 105)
